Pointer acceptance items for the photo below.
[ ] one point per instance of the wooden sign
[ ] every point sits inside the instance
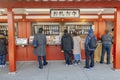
(64, 13)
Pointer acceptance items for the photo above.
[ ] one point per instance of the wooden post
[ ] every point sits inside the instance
(11, 41)
(116, 63)
(101, 27)
(96, 26)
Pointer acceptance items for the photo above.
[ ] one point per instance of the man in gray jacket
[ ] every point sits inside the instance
(40, 50)
(106, 46)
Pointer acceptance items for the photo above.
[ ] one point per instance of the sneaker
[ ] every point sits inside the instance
(86, 67)
(66, 65)
(4, 66)
(75, 63)
(107, 63)
(0, 66)
(70, 64)
(79, 63)
(41, 67)
(92, 68)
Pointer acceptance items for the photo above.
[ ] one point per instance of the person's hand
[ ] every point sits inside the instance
(62, 51)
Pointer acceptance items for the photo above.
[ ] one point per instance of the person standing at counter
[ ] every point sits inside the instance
(76, 48)
(89, 49)
(106, 46)
(67, 46)
(40, 49)
(3, 50)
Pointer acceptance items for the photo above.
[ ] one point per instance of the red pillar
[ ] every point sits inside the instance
(116, 63)
(101, 27)
(11, 41)
(96, 29)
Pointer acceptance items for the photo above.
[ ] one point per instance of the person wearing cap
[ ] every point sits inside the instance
(40, 50)
(106, 46)
(67, 46)
(3, 50)
(89, 52)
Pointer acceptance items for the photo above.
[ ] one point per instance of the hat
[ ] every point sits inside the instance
(90, 31)
(40, 30)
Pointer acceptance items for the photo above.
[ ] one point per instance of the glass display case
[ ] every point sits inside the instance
(4, 32)
(51, 30)
(4, 29)
(54, 31)
(81, 29)
(48, 28)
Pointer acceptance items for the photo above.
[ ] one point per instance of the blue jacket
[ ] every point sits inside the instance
(90, 35)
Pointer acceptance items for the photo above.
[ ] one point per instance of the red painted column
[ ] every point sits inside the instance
(11, 41)
(96, 25)
(116, 63)
(101, 27)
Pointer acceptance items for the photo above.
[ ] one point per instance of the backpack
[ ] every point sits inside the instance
(93, 43)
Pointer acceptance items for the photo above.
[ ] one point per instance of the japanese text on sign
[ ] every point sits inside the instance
(64, 13)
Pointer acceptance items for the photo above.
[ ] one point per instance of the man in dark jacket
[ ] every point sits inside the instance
(3, 50)
(40, 50)
(106, 46)
(67, 46)
(89, 52)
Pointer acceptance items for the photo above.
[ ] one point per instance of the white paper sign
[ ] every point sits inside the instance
(64, 13)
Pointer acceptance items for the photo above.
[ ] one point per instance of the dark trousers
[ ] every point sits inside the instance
(2, 59)
(40, 60)
(68, 57)
(106, 47)
(89, 56)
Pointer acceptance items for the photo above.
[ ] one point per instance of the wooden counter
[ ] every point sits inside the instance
(26, 53)
(97, 54)
(54, 53)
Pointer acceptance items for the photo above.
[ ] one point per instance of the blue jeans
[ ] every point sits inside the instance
(2, 59)
(40, 60)
(76, 57)
(106, 47)
(89, 55)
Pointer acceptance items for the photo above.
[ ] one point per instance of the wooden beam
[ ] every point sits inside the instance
(64, 4)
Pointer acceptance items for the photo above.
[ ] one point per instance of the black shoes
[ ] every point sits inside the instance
(45, 63)
(106, 63)
(41, 67)
(86, 67)
(101, 62)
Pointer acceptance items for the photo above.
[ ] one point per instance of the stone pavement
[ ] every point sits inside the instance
(56, 70)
